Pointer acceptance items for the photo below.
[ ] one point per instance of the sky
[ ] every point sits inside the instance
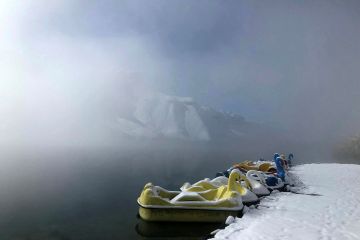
(288, 64)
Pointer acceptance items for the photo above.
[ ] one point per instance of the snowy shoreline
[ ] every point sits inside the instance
(327, 208)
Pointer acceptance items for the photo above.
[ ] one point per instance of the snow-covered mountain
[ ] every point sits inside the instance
(157, 115)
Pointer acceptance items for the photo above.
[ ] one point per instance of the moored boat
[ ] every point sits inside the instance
(242, 186)
(269, 181)
(214, 205)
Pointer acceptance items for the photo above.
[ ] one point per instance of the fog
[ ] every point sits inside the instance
(69, 67)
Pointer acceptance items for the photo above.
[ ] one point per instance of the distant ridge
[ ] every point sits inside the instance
(157, 115)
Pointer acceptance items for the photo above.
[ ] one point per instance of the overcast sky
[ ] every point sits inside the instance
(294, 64)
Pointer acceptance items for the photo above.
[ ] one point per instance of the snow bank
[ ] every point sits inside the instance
(327, 206)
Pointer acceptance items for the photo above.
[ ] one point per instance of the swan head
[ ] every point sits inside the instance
(185, 186)
(148, 185)
(276, 155)
(235, 176)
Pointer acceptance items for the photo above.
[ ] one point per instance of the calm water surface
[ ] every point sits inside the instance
(86, 195)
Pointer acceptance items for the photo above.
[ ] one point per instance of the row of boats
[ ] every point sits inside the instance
(213, 200)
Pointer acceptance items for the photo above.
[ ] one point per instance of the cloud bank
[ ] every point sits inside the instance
(68, 63)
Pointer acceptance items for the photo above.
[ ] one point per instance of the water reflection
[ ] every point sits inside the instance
(167, 230)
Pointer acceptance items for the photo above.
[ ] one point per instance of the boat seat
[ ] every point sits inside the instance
(219, 181)
(187, 196)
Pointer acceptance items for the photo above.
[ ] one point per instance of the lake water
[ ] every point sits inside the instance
(63, 195)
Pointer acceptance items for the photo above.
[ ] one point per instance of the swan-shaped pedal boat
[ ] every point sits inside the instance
(242, 186)
(269, 181)
(213, 205)
(252, 184)
(264, 166)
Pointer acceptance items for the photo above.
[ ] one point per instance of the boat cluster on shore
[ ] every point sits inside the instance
(213, 200)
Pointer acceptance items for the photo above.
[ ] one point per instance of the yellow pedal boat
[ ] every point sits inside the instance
(213, 205)
(243, 187)
(262, 166)
(254, 186)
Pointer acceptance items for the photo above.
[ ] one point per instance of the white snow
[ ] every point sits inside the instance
(229, 220)
(327, 208)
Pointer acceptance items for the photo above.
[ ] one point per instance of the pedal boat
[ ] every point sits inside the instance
(214, 205)
(253, 185)
(246, 165)
(264, 179)
(257, 166)
(242, 186)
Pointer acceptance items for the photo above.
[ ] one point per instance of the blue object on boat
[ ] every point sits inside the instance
(271, 181)
(279, 168)
(275, 156)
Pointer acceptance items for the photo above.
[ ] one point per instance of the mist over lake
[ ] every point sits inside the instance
(98, 98)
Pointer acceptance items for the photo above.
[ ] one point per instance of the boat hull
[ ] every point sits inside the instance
(186, 215)
(251, 203)
(176, 230)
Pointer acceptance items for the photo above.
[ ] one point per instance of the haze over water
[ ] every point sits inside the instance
(72, 71)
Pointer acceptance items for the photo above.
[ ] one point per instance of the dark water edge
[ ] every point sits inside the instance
(73, 193)
(172, 230)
